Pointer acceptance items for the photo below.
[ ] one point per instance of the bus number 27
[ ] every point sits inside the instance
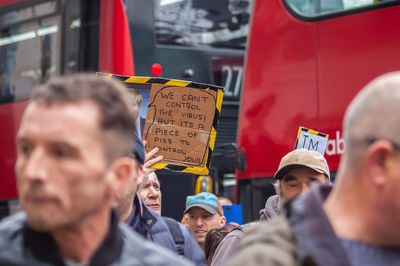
(234, 75)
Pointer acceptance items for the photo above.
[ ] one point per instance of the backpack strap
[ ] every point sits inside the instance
(176, 234)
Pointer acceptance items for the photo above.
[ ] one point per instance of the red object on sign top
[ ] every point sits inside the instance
(156, 69)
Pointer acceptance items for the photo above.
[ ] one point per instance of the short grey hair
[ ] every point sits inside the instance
(374, 112)
(111, 98)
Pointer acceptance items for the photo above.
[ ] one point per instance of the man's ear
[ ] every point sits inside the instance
(119, 173)
(222, 220)
(276, 188)
(377, 159)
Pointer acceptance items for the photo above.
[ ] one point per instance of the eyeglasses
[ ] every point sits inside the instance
(395, 145)
(292, 183)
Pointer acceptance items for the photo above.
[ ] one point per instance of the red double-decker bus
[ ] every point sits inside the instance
(198, 40)
(305, 61)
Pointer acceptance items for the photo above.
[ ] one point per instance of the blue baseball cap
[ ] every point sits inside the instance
(138, 148)
(206, 201)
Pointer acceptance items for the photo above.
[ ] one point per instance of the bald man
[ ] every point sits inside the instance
(356, 222)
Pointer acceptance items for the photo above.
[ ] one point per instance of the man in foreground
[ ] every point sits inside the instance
(204, 213)
(73, 145)
(355, 222)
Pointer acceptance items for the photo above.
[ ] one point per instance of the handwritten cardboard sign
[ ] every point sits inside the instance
(311, 140)
(181, 120)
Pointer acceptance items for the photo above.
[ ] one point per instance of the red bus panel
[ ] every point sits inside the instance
(10, 115)
(279, 89)
(115, 52)
(353, 50)
(305, 73)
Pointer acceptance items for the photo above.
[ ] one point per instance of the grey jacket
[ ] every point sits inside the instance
(227, 248)
(23, 246)
(269, 243)
(303, 237)
(271, 208)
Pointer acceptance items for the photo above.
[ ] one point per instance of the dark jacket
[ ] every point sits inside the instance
(152, 226)
(21, 245)
(303, 237)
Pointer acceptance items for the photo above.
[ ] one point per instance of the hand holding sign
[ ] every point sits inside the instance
(150, 159)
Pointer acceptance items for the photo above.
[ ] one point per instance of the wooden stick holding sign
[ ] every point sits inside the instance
(181, 120)
(311, 140)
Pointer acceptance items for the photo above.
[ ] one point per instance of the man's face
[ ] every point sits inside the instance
(201, 221)
(151, 193)
(61, 167)
(298, 180)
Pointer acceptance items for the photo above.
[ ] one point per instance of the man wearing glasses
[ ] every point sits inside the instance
(297, 171)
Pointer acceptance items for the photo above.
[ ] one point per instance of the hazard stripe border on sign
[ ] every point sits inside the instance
(309, 131)
(181, 83)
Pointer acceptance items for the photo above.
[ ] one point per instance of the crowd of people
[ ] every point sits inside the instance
(90, 197)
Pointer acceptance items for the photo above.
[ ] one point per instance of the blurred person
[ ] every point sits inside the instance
(204, 213)
(213, 238)
(126, 194)
(72, 156)
(225, 201)
(296, 172)
(137, 211)
(136, 104)
(356, 221)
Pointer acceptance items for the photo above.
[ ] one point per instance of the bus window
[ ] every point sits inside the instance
(222, 23)
(315, 8)
(28, 50)
(24, 14)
